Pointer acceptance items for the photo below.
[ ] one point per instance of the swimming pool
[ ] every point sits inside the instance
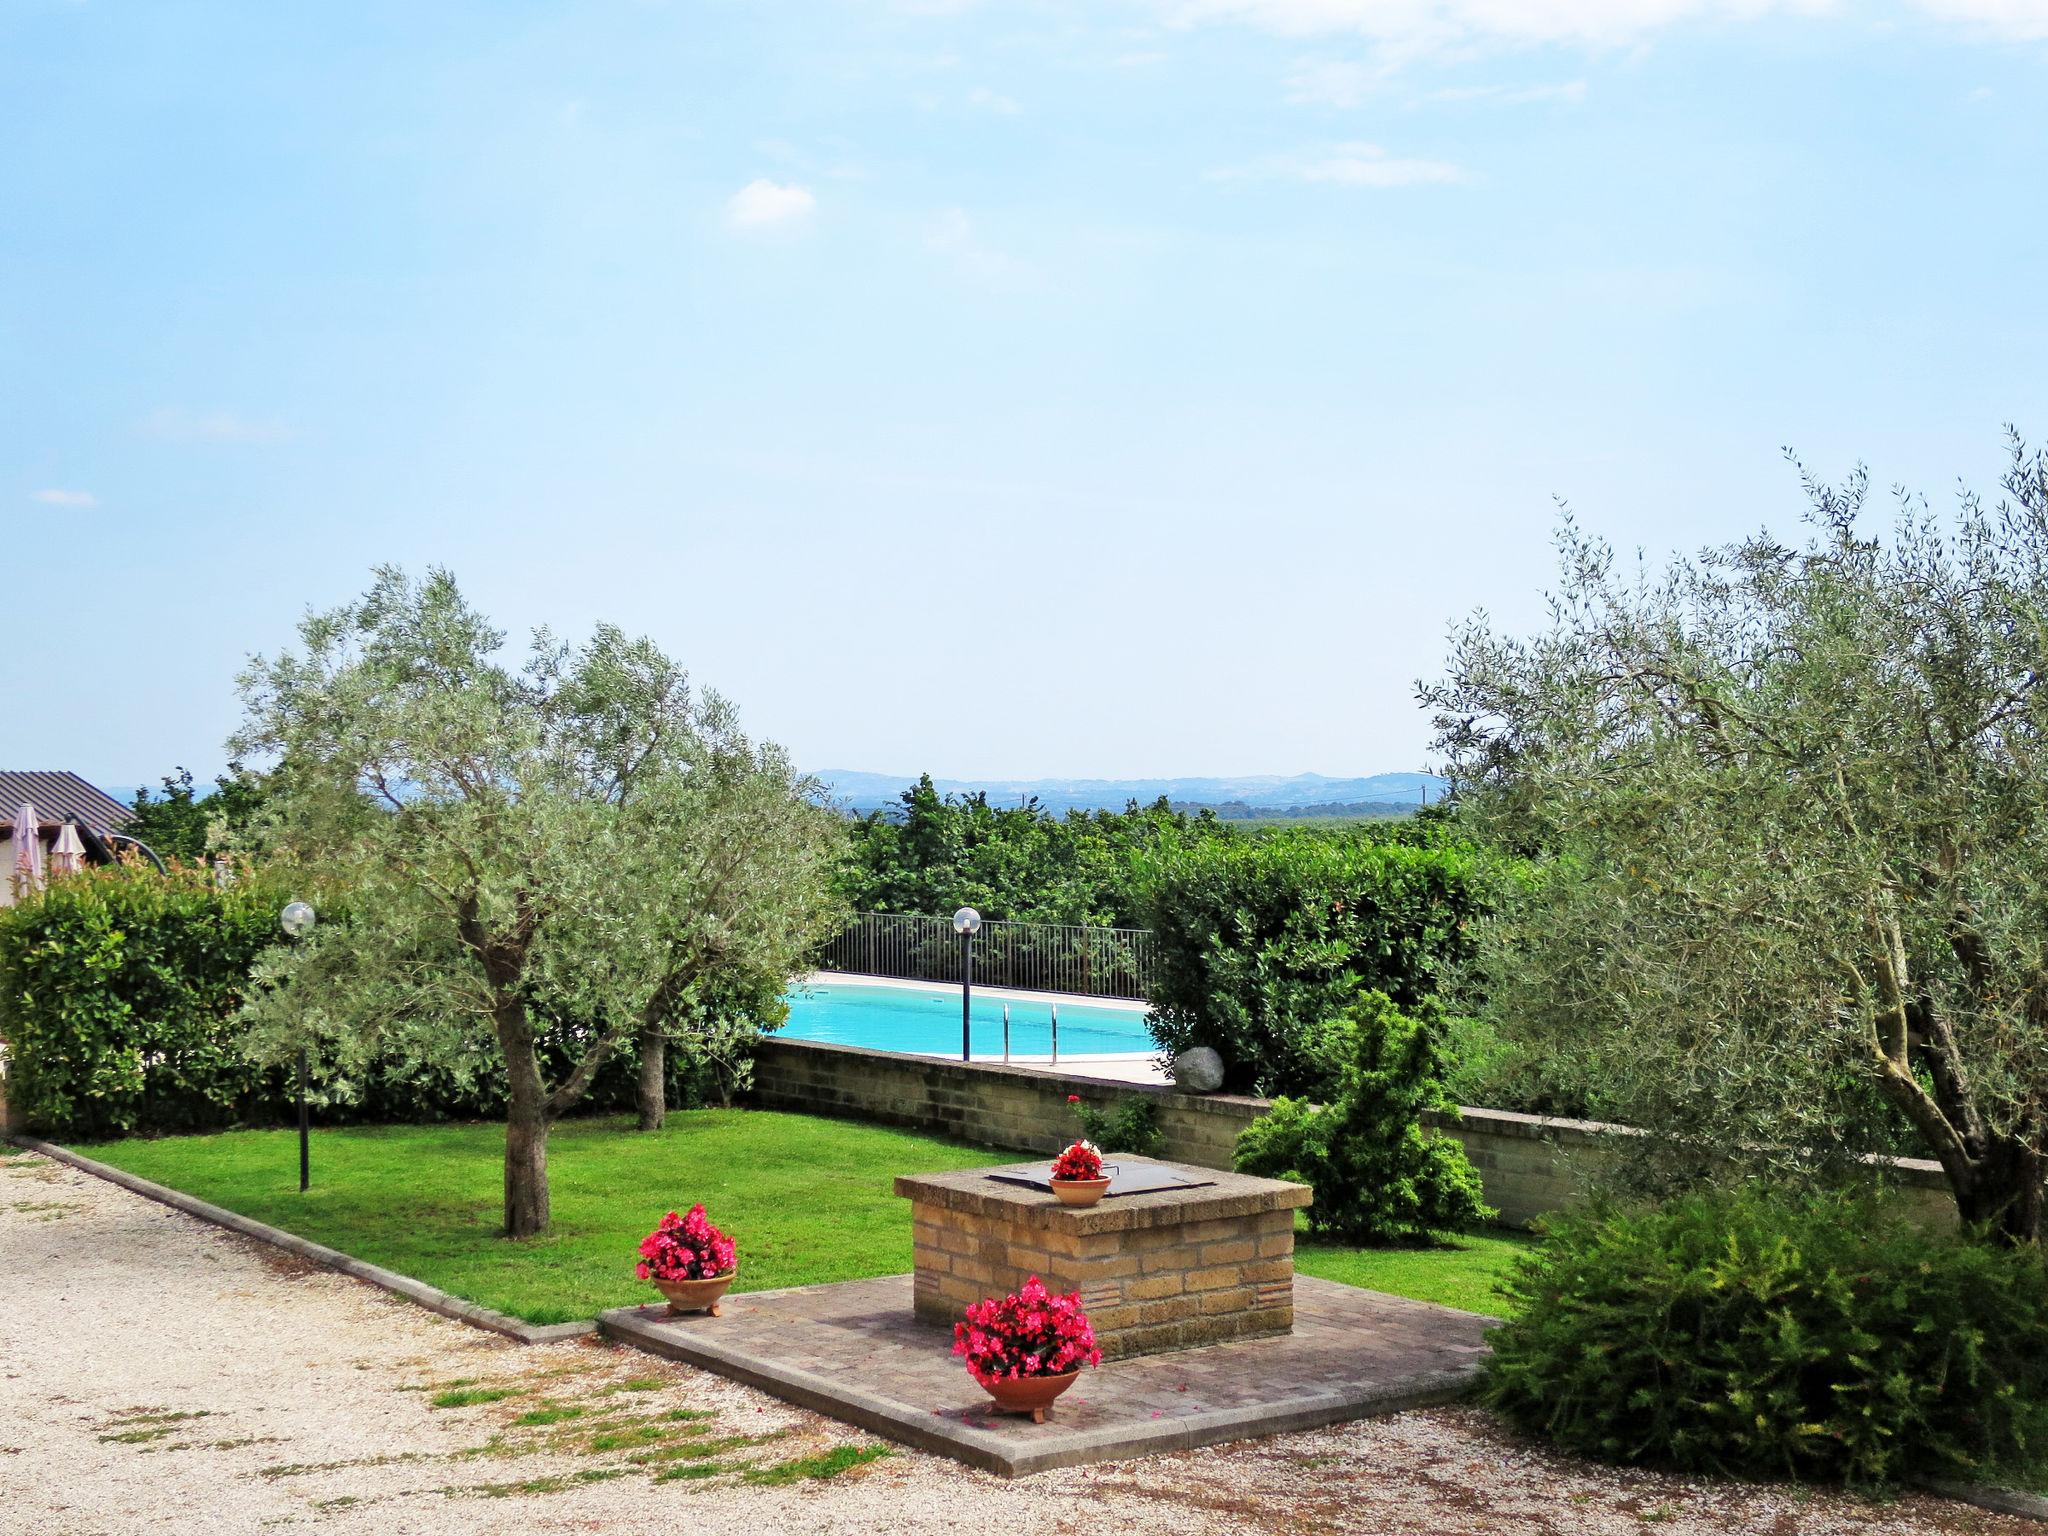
(927, 1021)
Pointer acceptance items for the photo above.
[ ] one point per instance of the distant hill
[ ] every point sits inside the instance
(1252, 795)
(1255, 796)
(1347, 810)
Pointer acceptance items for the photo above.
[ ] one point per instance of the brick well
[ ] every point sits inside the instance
(1167, 1269)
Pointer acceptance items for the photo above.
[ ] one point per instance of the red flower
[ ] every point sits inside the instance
(1080, 1161)
(1073, 1098)
(1031, 1333)
(686, 1248)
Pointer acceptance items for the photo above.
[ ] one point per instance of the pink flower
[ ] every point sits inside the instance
(1079, 1161)
(686, 1248)
(1031, 1333)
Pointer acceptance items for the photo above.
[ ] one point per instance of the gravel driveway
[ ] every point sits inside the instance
(160, 1376)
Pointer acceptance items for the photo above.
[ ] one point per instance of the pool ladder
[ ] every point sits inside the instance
(1055, 1034)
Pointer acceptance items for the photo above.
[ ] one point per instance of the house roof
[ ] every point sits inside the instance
(60, 797)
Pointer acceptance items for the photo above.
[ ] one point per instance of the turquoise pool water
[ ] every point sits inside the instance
(912, 1019)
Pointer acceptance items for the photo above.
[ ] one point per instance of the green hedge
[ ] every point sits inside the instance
(1740, 1333)
(1261, 942)
(115, 992)
(118, 995)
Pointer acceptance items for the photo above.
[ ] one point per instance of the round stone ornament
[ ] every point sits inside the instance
(1199, 1070)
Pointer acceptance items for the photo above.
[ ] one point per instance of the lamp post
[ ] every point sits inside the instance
(297, 921)
(966, 922)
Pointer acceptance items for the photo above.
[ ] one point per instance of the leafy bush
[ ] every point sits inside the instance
(118, 1001)
(1741, 1333)
(1260, 941)
(934, 852)
(1378, 1176)
(115, 989)
(178, 820)
(1131, 1124)
(1489, 1065)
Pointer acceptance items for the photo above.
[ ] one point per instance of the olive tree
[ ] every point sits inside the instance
(1790, 805)
(578, 854)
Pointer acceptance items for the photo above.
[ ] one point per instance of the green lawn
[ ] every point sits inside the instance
(1460, 1274)
(808, 1200)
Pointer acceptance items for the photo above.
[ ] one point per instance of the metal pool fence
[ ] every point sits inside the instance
(1041, 957)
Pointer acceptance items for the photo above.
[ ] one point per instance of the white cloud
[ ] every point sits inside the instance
(992, 101)
(1571, 92)
(1348, 83)
(58, 498)
(764, 204)
(1430, 26)
(952, 235)
(1346, 165)
(1404, 30)
(1334, 83)
(176, 426)
(2025, 19)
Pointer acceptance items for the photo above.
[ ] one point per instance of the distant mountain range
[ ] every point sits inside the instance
(1259, 793)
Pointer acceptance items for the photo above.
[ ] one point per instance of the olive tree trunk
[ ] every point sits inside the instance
(526, 1139)
(653, 1077)
(2001, 1192)
(526, 1174)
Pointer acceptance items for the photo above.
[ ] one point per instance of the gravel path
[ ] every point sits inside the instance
(158, 1375)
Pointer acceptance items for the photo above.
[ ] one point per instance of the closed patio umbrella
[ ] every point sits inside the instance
(28, 852)
(67, 854)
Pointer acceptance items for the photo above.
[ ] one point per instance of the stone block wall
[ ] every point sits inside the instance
(1530, 1164)
(1021, 1107)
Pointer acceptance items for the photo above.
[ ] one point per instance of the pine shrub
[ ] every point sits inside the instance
(1740, 1333)
(1378, 1176)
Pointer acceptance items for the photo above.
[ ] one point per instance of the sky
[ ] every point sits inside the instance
(1129, 387)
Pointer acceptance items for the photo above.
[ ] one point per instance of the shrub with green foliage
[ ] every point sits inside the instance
(180, 821)
(1738, 1333)
(1260, 941)
(1378, 1176)
(119, 991)
(115, 989)
(1131, 1125)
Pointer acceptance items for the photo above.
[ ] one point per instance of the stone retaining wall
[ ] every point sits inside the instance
(998, 1106)
(1530, 1164)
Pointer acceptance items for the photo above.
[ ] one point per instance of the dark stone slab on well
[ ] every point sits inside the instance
(855, 1351)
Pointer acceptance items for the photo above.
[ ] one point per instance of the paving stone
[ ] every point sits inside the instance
(856, 1351)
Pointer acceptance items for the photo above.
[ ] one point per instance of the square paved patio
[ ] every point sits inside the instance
(857, 1352)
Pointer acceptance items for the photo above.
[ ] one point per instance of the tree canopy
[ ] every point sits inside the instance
(1789, 806)
(585, 846)
(1015, 863)
(178, 821)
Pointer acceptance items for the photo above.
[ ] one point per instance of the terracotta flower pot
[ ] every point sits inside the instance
(696, 1295)
(1080, 1191)
(1028, 1394)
